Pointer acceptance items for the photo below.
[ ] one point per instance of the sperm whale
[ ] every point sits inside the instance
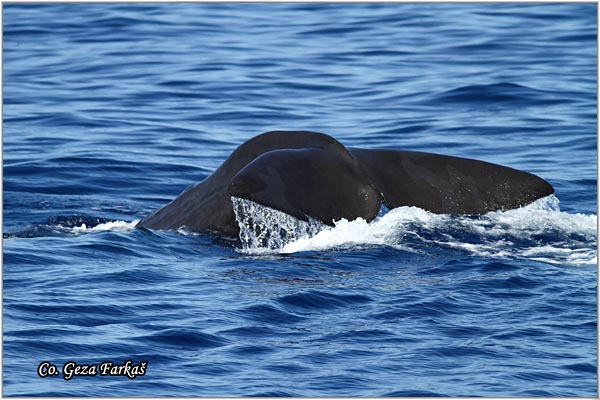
(312, 175)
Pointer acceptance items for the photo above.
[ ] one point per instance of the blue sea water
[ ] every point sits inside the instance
(111, 110)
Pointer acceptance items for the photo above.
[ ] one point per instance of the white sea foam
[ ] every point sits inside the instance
(114, 226)
(539, 231)
(384, 230)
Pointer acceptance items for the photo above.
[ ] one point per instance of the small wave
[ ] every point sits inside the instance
(503, 92)
(73, 225)
(538, 231)
(181, 337)
(114, 226)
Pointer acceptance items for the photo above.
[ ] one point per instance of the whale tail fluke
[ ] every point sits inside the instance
(326, 184)
(313, 182)
(449, 185)
(309, 174)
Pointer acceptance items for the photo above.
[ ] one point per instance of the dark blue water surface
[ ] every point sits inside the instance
(111, 110)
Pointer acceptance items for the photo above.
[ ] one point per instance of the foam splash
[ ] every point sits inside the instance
(74, 225)
(114, 226)
(265, 228)
(538, 231)
(389, 229)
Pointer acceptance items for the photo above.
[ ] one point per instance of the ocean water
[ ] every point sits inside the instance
(111, 110)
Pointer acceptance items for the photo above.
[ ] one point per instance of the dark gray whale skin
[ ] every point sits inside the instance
(309, 174)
